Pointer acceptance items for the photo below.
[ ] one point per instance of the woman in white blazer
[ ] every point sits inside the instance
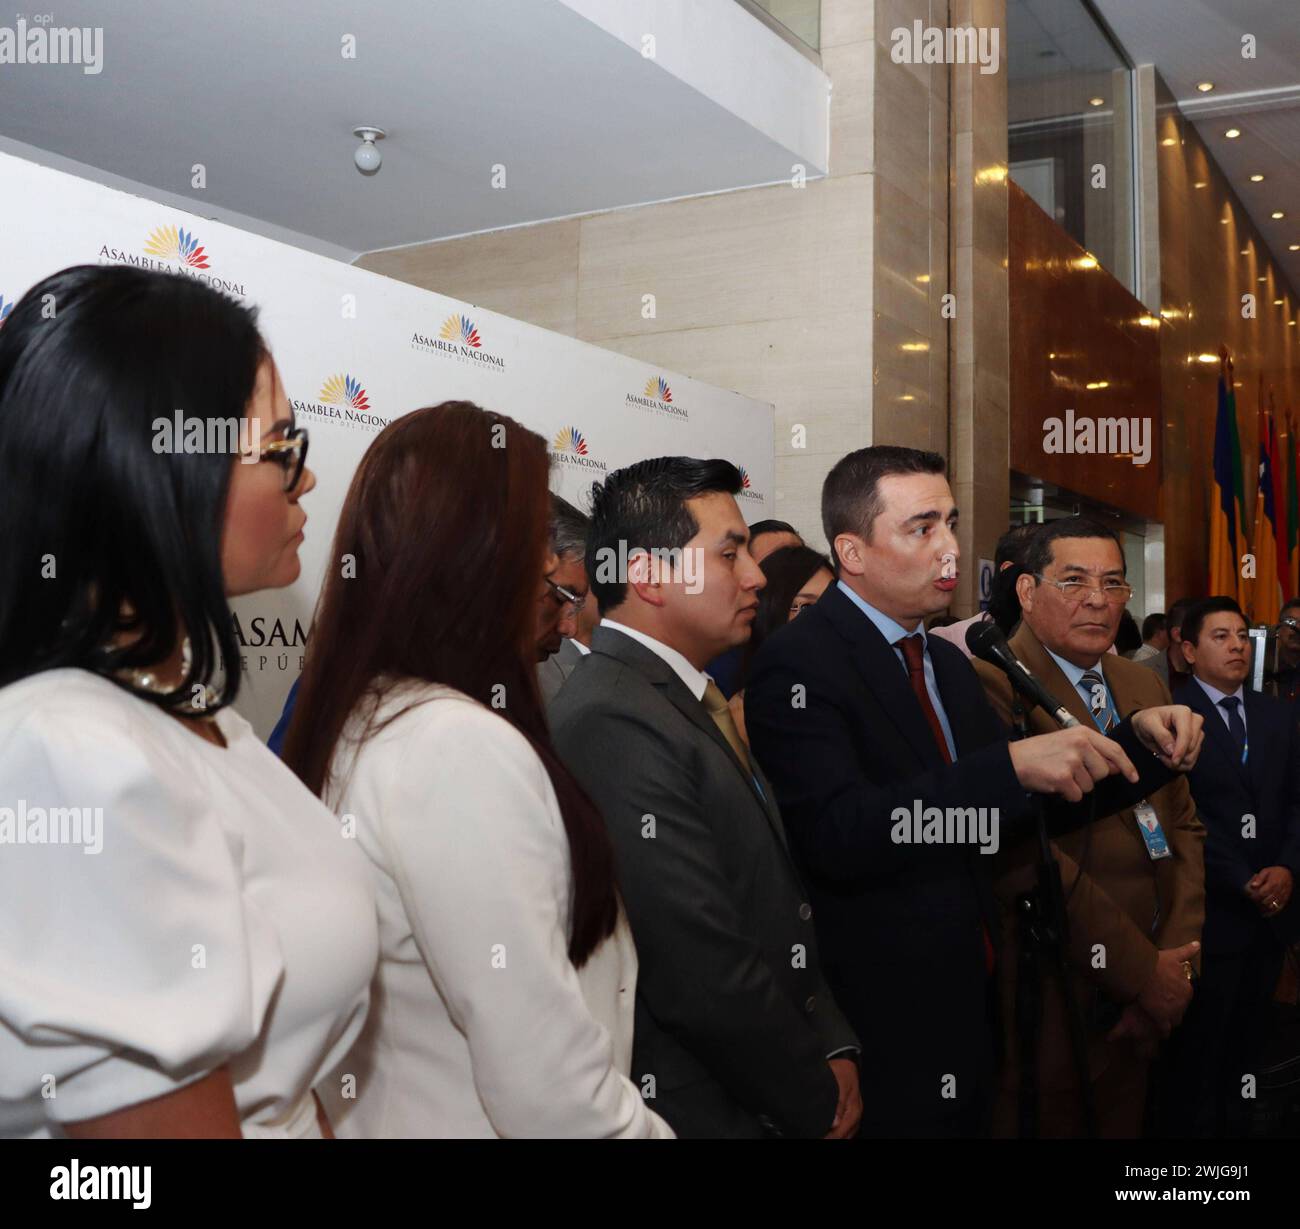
(186, 943)
(503, 1003)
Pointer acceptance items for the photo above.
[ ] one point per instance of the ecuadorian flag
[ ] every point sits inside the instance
(1228, 501)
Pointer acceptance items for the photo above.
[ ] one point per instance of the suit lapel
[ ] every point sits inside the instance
(883, 674)
(1216, 729)
(1043, 667)
(632, 653)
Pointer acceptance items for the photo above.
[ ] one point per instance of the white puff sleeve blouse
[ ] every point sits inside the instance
(167, 907)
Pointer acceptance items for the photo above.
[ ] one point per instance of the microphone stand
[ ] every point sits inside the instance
(1044, 938)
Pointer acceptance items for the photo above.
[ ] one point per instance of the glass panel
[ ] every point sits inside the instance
(803, 18)
(1070, 132)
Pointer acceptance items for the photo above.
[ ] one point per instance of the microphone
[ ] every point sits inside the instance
(986, 641)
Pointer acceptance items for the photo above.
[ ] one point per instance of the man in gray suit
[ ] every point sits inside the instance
(737, 1034)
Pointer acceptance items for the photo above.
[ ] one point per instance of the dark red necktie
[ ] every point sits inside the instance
(913, 648)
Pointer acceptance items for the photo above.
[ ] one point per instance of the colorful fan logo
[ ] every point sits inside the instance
(5, 309)
(744, 477)
(344, 390)
(173, 244)
(460, 328)
(657, 386)
(569, 439)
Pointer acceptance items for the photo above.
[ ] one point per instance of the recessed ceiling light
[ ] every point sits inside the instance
(1095, 102)
(1169, 141)
(1277, 215)
(1223, 221)
(1205, 86)
(1295, 247)
(1200, 183)
(1277, 302)
(1245, 251)
(1232, 134)
(1262, 280)
(1257, 179)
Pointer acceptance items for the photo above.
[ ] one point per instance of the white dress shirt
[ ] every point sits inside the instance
(224, 921)
(696, 680)
(481, 1026)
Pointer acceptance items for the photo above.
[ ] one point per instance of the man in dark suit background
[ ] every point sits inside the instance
(1246, 786)
(862, 721)
(736, 1034)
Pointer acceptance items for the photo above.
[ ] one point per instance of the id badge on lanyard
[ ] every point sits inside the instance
(1153, 834)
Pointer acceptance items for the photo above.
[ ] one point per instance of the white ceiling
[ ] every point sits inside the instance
(260, 95)
(1190, 41)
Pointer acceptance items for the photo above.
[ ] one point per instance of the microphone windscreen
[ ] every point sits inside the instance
(983, 639)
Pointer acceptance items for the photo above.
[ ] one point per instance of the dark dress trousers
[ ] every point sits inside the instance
(1221, 1037)
(734, 1021)
(835, 724)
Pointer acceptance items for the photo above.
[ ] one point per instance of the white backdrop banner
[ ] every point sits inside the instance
(355, 351)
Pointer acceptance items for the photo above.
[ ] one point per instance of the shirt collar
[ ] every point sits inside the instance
(696, 680)
(891, 629)
(1071, 671)
(582, 648)
(1216, 695)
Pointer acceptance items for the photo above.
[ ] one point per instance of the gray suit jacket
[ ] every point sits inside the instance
(734, 1020)
(552, 672)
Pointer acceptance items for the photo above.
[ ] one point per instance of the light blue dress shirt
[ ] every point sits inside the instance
(893, 632)
(1216, 695)
(1075, 675)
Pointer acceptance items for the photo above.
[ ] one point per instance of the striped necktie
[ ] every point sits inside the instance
(1098, 700)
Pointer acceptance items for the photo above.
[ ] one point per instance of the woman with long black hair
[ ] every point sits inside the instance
(186, 942)
(507, 976)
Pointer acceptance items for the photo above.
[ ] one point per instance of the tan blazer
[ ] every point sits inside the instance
(1117, 897)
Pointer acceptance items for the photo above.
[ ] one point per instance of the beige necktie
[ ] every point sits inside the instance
(718, 708)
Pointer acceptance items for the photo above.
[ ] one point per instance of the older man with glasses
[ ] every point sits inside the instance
(1133, 881)
(565, 617)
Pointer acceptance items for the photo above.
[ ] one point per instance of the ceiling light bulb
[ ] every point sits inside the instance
(1232, 134)
(1278, 215)
(1257, 179)
(367, 155)
(1095, 102)
(1205, 86)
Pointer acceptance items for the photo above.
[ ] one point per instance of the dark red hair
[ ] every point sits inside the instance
(435, 575)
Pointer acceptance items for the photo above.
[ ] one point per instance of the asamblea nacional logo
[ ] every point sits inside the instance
(172, 249)
(342, 398)
(569, 448)
(459, 338)
(746, 488)
(657, 396)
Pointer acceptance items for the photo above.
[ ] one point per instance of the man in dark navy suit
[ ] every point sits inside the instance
(895, 776)
(1246, 786)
